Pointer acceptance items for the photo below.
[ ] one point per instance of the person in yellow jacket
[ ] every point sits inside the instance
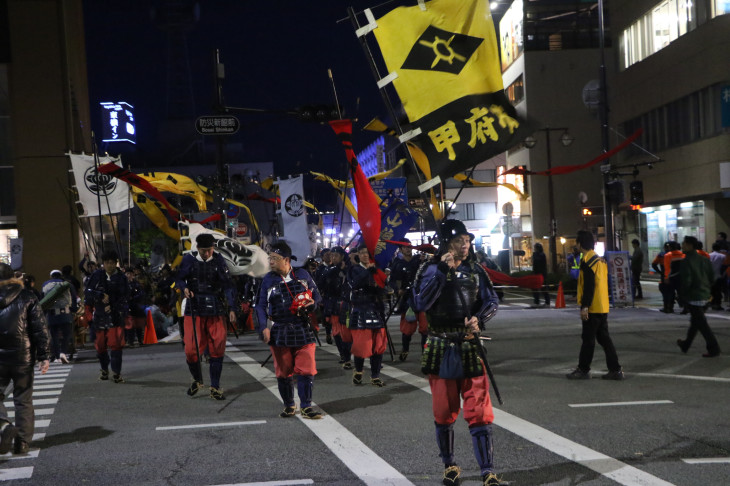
(593, 299)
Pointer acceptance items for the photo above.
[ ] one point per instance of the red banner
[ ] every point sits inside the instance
(567, 169)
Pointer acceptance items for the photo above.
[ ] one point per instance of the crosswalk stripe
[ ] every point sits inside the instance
(38, 411)
(41, 401)
(49, 386)
(31, 454)
(16, 473)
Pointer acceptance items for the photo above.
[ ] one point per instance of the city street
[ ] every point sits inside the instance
(667, 423)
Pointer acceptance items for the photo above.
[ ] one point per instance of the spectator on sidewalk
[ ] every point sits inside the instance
(24, 340)
(697, 278)
(637, 265)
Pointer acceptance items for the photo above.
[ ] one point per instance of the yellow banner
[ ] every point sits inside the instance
(441, 54)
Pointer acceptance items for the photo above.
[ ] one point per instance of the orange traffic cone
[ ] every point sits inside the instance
(150, 336)
(560, 299)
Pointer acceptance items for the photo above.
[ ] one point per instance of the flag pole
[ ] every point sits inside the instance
(388, 103)
(72, 208)
(94, 149)
(463, 185)
(347, 166)
(129, 223)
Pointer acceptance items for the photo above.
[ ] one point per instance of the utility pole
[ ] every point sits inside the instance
(603, 114)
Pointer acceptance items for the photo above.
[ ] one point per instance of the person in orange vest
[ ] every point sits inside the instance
(672, 282)
(701, 251)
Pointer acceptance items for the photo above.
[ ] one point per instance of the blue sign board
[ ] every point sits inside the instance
(384, 187)
(117, 122)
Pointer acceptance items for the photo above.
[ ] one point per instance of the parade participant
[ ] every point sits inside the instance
(458, 298)
(205, 282)
(402, 273)
(697, 278)
(334, 295)
(367, 314)
(107, 292)
(60, 316)
(594, 304)
(319, 276)
(284, 298)
(136, 321)
(24, 340)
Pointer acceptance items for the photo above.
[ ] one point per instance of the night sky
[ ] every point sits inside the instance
(276, 55)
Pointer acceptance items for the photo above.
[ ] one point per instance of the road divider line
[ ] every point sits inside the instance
(365, 464)
(685, 377)
(620, 404)
(605, 465)
(206, 426)
(289, 482)
(707, 460)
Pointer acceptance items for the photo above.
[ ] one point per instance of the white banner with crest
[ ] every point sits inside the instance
(294, 218)
(98, 189)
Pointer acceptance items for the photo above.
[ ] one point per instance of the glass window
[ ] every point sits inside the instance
(516, 91)
(722, 7)
(656, 29)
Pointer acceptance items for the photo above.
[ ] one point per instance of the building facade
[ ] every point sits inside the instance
(673, 82)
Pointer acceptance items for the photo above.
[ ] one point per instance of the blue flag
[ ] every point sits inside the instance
(396, 220)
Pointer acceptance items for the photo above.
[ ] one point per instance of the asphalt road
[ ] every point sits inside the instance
(667, 423)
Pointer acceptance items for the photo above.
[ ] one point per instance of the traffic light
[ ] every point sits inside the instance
(636, 189)
(587, 212)
(318, 113)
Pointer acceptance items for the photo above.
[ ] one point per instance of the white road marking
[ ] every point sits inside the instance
(38, 411)
(708, 460)
(620, 404)
(16, 473)
(605, 465)
(206, 426)
(40, 401)
(44, 380)
(685, 377)
(32, 453)
(49, 386)
(42, 424)
(43, 393)
(290, 482)
(354, 454)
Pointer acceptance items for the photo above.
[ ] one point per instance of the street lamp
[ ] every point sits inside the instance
(565, 139)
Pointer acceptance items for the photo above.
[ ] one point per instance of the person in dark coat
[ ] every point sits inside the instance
(210, 300)
(107, 292)
(24, 339)
(539, 267)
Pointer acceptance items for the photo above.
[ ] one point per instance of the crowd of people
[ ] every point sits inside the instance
(446, 297)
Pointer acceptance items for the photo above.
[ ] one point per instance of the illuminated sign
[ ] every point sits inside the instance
(510, 34)
(117, 120)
